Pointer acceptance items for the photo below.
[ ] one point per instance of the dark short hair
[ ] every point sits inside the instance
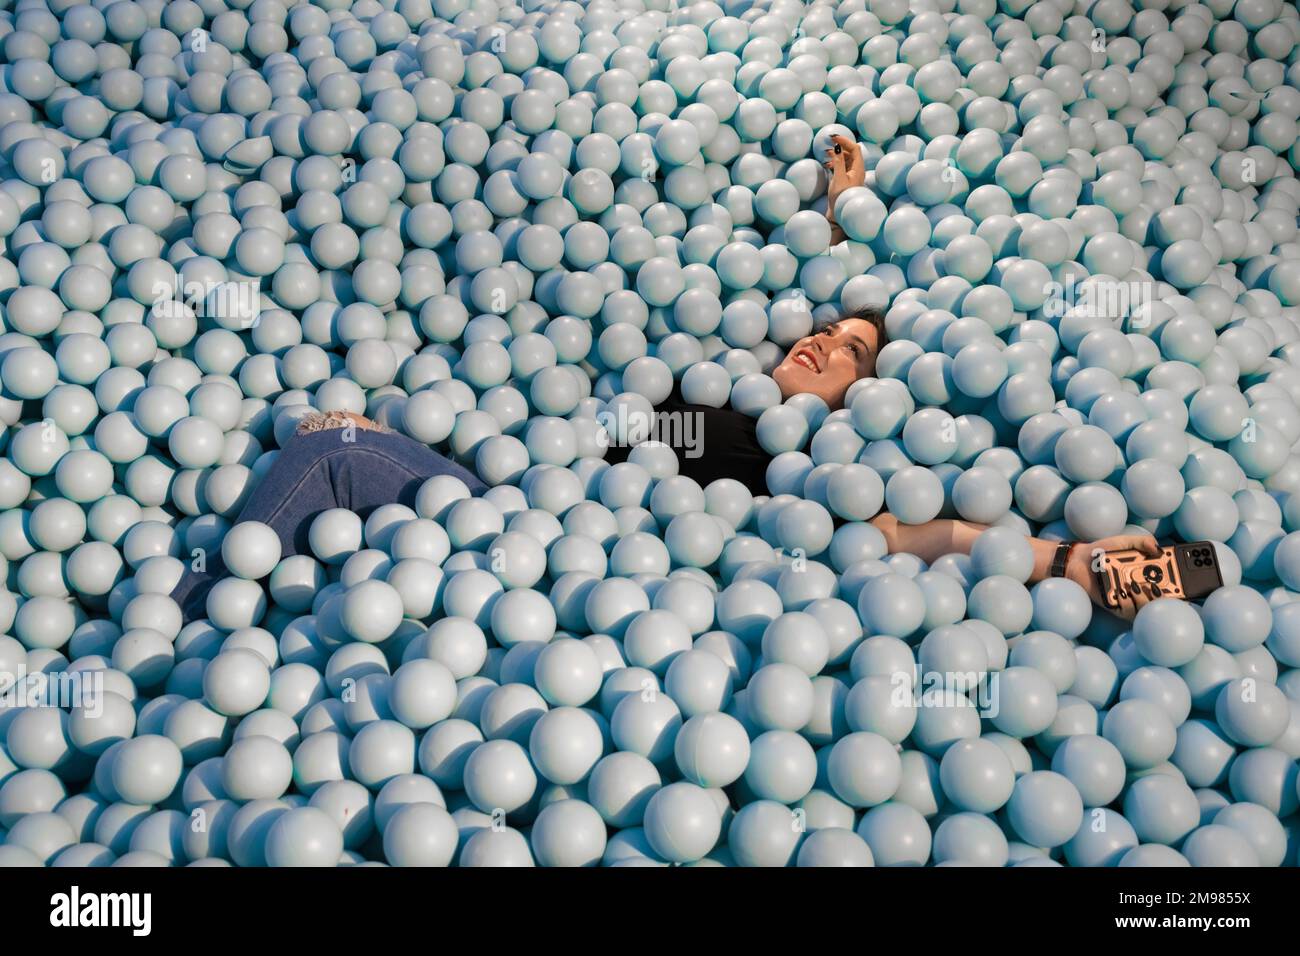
(876, 318)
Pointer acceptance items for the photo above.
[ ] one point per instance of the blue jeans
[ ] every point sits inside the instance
(318, 471)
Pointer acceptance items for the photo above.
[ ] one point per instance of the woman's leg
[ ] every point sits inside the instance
(354, 468)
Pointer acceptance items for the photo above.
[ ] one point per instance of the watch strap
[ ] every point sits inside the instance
(1061, 558)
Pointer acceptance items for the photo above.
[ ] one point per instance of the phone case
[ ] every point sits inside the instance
(1188, 571)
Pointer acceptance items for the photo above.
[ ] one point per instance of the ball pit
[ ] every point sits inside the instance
(506, 231)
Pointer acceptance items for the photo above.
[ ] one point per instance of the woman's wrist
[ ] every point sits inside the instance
(1076, 565)
(1079, 570)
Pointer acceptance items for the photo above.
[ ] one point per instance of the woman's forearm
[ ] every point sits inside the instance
(934, 539)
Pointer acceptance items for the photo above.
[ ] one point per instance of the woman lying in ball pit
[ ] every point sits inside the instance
(344, 460)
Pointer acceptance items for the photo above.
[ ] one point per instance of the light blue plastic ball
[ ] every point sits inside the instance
(1168, 632)
(914, 494)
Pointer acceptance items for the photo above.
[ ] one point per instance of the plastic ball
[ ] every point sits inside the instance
(682, 822)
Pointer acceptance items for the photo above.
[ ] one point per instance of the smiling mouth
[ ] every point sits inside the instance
(805, 358)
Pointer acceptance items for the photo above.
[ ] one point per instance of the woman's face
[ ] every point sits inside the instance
(828, 362)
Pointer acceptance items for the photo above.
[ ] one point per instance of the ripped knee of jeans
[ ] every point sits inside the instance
(324, 421)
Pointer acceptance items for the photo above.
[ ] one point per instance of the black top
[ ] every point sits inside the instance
(711, 443)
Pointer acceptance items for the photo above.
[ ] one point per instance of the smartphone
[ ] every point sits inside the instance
(1188, 571)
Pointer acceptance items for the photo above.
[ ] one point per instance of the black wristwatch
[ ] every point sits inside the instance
(1061, 558)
